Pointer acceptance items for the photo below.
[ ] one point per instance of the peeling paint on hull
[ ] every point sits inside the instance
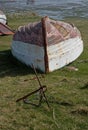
(29, 54)
(59, 55)
(64, 53)
(48, 44)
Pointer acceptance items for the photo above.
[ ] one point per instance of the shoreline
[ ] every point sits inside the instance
(32, 13)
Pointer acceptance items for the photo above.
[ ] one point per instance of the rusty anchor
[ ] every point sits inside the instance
(41, 91)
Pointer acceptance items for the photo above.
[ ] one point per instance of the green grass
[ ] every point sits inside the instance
(67, 91)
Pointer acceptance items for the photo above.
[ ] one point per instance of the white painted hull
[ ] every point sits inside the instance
(29, 54)
(64, 53)
(59, 54)
(3, 19)
(48, 44)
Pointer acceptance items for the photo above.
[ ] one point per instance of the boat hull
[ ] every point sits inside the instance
(29, 54)
(3, 18)
(63, 53)
(48, 44)
(59, 55)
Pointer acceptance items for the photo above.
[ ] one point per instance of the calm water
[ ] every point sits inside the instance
(57, 9)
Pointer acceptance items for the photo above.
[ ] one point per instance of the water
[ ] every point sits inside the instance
(57, 9)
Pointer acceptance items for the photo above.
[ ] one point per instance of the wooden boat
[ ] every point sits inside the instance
(3, 18)
(5, 30)
(48, 44)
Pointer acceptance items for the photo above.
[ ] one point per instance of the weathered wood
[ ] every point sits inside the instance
(5, 30)
(44, 32)
(48, 44)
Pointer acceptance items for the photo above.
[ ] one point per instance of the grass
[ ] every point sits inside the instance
(67, 91)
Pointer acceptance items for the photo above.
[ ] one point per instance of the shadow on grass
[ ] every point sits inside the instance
(9, 66)
(80, 111)
(85, 86)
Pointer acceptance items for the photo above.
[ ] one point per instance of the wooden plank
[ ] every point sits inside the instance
(5, 30)
(44, 32)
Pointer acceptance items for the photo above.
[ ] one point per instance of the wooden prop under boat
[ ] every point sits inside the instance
(48, 44)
